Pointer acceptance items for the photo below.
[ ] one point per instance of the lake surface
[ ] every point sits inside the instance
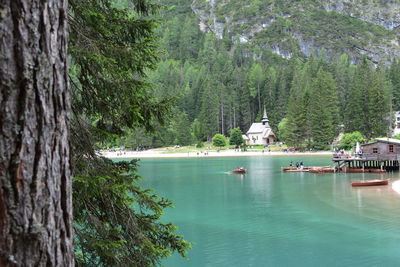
(270, 218)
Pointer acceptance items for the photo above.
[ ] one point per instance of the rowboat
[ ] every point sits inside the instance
(240, 170)
(309, 169)
(375, 170)
(370, 183)
(295, 169)
(322, 169)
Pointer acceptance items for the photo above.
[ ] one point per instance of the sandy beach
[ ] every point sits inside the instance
(195, 154)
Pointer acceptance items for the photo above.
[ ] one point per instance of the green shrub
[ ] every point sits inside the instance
(350, 140)
(200, 145)
(219, 140)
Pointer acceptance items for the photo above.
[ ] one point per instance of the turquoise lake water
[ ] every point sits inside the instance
(270, 218)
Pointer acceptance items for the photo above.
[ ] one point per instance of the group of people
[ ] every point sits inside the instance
(342, 153)
(339, 151)
(298, 164)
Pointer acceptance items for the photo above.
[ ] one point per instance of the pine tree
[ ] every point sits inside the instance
(209, 110)
(208, 53)
(182, 126)
(323, 110)
(379, 105)
(242, 110)
(189, 39)
(297, 114)
(395, 79)
(269, 88)
(355, 109)
(255, 80)
(342, 78)
(112, 49)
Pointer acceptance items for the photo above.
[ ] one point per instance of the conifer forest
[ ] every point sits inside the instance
(218, 83)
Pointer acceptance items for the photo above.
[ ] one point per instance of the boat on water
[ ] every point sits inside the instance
(240, 170)
(322, 169)
(376, 170)
(370, 182)
(295, 169)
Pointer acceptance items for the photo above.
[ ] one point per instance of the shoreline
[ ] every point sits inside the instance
(212, 154)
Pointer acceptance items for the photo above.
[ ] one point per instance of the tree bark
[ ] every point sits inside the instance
(35, 185)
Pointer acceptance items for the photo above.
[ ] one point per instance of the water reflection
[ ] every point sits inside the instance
(260, 179)
(359, 199)
(265, 217)
(396, 186)
(240, 177)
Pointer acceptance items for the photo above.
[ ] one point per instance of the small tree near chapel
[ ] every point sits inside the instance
(236, 137)
(219, 140)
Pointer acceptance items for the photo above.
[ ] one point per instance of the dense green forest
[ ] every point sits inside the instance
(220, 84)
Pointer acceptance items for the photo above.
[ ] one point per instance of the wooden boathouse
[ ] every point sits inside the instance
(380, 154)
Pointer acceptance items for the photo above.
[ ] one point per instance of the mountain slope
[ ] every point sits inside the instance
(290, 28)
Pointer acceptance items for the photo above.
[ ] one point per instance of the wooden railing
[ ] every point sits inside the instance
(367, 157)
(380, 157)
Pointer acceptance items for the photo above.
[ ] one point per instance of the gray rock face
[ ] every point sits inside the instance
(247, 23)
(382, 13)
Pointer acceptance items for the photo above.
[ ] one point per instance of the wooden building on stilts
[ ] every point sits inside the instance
(382, 154)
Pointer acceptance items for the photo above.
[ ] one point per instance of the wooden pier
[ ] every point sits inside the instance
(381, 154)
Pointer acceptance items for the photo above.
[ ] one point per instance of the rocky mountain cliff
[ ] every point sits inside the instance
(301, 27)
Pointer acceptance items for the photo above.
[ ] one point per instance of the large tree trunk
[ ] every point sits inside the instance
(35, 185)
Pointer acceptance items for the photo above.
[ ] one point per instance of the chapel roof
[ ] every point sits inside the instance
(259, 128)
(256, 127)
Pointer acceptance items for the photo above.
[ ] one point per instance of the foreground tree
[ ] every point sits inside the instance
(112, 47)
(35, 186)
(117, 222)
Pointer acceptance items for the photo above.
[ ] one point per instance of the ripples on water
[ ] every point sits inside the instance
(270, 218)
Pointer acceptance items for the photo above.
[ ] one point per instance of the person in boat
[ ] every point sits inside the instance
(291, 164)
(297, 164)
(301, 165)
(241, 169)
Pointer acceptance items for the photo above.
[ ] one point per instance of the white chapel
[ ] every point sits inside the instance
(260, 133)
